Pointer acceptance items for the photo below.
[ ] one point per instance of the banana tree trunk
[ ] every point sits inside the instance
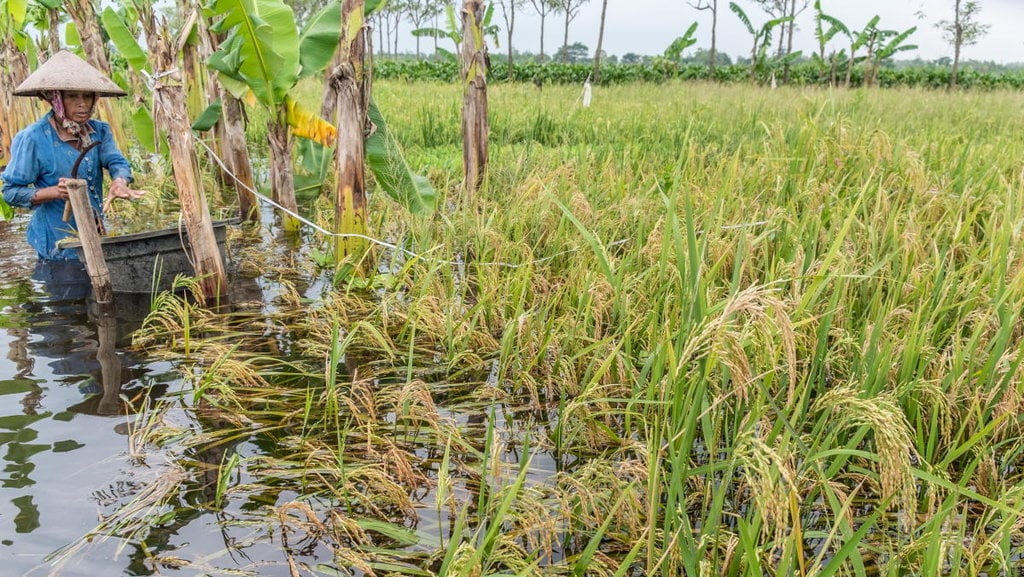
(15, 112)
(958, 40)
(868, 64)
(170, 113)
(233, 139)
(789, 43)
(282, 181)
(849, 67)
(350, 87)
(230, 133)
(53, 38)
(473, 71)
(83, 14)
(191, 62)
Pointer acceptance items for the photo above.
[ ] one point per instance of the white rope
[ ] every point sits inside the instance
(394, 247)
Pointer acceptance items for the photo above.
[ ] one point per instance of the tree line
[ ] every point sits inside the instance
(839, 46)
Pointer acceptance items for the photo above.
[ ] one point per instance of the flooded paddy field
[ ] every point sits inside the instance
(724, 331)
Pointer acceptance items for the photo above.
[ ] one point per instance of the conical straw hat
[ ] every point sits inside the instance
(65, 71)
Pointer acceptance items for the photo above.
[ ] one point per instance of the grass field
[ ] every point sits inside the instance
(691, 330)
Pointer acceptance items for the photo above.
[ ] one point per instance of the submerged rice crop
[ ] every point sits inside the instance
(691, 330)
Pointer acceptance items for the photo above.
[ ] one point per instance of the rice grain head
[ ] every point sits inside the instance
(893, 442)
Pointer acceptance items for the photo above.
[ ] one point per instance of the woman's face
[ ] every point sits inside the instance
(78, 105)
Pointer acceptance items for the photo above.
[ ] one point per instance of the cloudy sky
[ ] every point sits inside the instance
(649, 26)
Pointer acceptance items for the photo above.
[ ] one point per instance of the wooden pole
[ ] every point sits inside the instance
(110, 363)
(85, 222)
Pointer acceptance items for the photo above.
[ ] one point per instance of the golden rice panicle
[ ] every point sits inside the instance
(894, 446)
(769, 475)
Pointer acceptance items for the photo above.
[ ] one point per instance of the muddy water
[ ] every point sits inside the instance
(69, 394)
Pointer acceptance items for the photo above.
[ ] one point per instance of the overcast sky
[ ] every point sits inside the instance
(649, 26)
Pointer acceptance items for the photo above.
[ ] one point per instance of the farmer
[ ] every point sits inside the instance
(44, 154)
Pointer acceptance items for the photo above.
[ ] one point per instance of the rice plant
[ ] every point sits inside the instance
(690, 330)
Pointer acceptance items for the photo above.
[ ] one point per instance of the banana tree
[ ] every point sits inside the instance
(675, 50)
(349, 87)
(364, 138)
(171, 113)
(454, 31)
(824, 36)
(473, 72)
(163, 125)
(884, 45)
(762, 40)
(859, 40)
(262, 58)
(668, 63)
(15, 113)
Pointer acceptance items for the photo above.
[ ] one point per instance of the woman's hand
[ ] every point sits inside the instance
(51, 193)
(119, 189)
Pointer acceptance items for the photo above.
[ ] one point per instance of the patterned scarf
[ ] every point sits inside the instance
(76, 129)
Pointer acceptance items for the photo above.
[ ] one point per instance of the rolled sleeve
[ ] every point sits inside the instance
(20, 175)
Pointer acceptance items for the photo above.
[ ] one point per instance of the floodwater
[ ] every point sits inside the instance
(69, 394)
(72, 396)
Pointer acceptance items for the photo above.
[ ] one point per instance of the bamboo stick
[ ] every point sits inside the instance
(95, 263)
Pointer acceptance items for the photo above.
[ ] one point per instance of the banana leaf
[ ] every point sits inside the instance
(124, 40)
(320, 40)
(6, 212)
(262, 48)
(208, 118)
(146, 132)
(18, 9)
(307, 124)
(391, 170)
(71, 36)
(312, 169)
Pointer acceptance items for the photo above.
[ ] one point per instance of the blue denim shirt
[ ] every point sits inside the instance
(39, 158)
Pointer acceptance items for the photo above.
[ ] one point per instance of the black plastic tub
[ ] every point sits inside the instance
(144, 261)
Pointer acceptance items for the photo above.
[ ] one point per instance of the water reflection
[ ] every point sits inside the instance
(79, 339)
(65, 387)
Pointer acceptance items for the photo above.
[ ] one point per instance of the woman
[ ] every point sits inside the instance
(44, 154)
